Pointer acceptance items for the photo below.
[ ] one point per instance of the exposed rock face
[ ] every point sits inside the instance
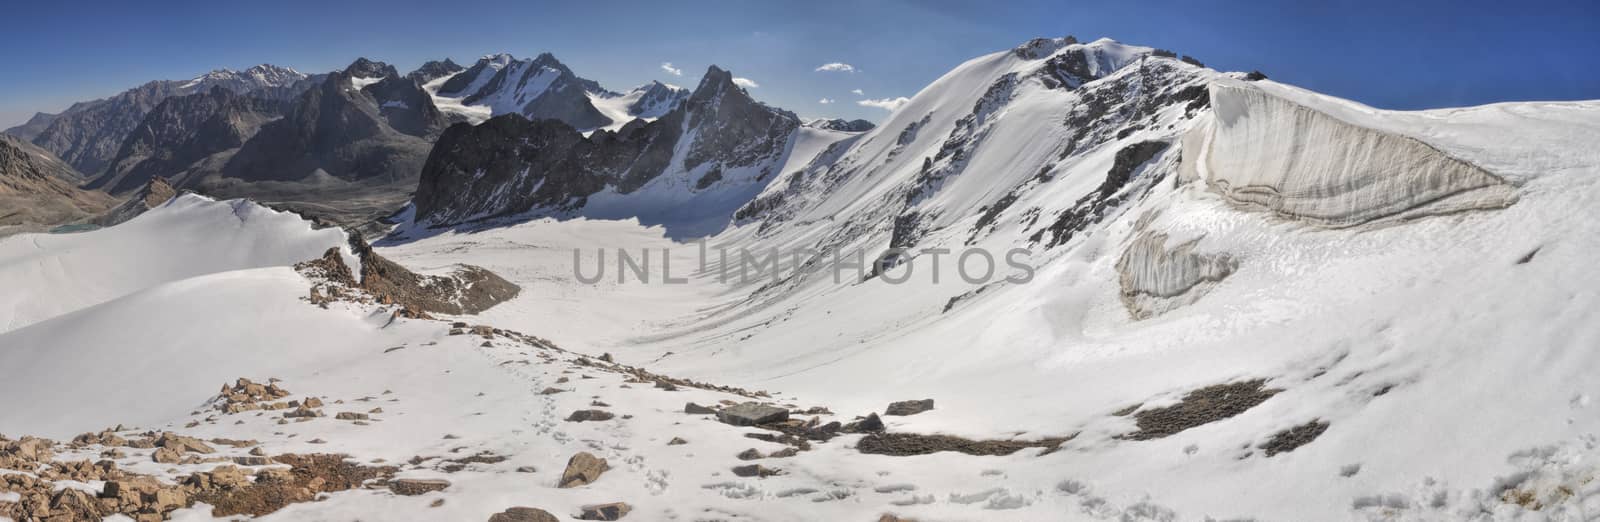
(467, 290)
(154, 193)
(541, 88)
(31, 128)
(38, 190)
(510, 165)
(88, 135)
(181, 131)
(339, 130)
(434, 70)
(657, 99)
(842, 125)
(1264, 151)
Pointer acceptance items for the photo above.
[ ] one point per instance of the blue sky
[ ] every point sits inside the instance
(1392, 54)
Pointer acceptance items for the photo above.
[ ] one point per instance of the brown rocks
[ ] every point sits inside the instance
(523, 514)
(27, 449)
(751, 414)
(246, 395)
(696, 409)
(183, 444)
(252, 460)
(750, 454)
(551, 391)
(104, 438)
(166, 456)
(302, 413)
(414, 487)
(677, 441)
(350, 415)
(612, 511)
(582, 469)
(903, 408)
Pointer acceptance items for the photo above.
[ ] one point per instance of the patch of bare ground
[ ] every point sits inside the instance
(307, 476)
(1287, 440)
(1200, 407)
(908, 444)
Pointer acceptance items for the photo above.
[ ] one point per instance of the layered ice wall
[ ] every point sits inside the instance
(1264, 151)
(1156, 279)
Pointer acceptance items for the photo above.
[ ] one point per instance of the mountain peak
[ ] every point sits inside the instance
(365, 68)
(715, 80)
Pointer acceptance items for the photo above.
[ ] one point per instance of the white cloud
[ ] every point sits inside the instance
(746, 83)
(888, 104)
(836, 67)
(667, 66)
(857, 92)
(825, 101)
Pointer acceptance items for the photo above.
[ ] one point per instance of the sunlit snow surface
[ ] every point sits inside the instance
(1484, 361)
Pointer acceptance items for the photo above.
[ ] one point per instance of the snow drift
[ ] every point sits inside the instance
(46, 275)
(1267, 152)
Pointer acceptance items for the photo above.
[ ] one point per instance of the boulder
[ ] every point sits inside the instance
(612, 511)
(166, 456)
(751, 414)
(414, 487)
(582, 469)
(523, 514)
(589, 415)
(754, 470)
(903, 408)
(696, 409)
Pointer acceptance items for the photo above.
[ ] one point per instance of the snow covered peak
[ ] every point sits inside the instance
(541, 87)
(365, 68)
(261, 76)
(497, 60)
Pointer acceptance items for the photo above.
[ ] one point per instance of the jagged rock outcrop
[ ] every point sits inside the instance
(37, 190)
(1267, 152)
(466, 289)
(181, 131)
(839, 124)
(511, 165)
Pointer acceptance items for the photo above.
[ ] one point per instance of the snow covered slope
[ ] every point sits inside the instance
(1149, 285)
(48, 275)
(1218, 296)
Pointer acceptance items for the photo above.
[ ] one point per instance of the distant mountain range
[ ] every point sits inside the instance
(351, 145)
